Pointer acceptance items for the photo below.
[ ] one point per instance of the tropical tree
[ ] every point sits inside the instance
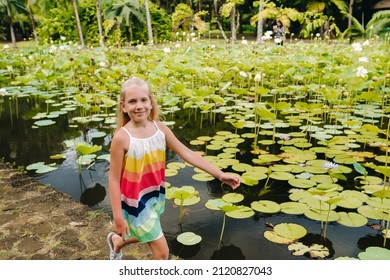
(123, 11)
(100, 25)
(12, 8)
(79, 30)
(29, 4)
(229, 9)
(148, 22)
(259, 34)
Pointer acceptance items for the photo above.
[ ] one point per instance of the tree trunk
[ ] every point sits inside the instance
(30, 12)
(100, 26)
(260, 24)
(218, 22)
(11, 28)
(76, 14)
(149, 22)
(350, 17)
(233, 24)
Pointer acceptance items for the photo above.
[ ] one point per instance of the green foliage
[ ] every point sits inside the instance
(182, 17)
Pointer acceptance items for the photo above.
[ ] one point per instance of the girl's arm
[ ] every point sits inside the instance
(117, 152)
(195, 159)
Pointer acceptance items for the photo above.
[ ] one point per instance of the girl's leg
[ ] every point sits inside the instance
(119, 243)
(159, 248)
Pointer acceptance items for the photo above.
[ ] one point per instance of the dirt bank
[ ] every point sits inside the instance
(38, 222)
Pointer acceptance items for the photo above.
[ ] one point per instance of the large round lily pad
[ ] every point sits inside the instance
(295, 208)
(265, 206)
(272, 236)
(351, 219)
(290, 230)
(189, 238)
(375, 253)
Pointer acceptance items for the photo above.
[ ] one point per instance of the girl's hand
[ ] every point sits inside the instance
(230, 179)
(121, 228)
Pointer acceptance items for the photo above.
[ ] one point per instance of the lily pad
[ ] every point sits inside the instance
(233, 197)
(275, 238)
(371, 212)
(317, 215)
(351, 219)
(189, 238)
(265, 206)
(290, 230)
(315, 250)
(216, 204)
(242, 212)
(375, 253)
(282, 176)
(301, 183)
(204, 177)
(294, 208)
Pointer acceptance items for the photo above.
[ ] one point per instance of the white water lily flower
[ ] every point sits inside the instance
(318, 35)
(244, 42)
(102, 64)
(167, 50)
(3, 91)
(6, 46)
(63, 38)
(212, 46)
(366, 43)
(361, 72)
(243, 74)
(363, 59)
(357, 47)
(330, 165)
(177, 45)
(257, 77)
(192, 34)
(278, 40)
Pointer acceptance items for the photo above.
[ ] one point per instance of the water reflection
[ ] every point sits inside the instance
(230, 252)
(92, 196)
(371, 241)
(312, 238)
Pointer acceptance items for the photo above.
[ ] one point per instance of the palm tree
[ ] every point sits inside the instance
(124, 10)
(379, 21)
(12, 8)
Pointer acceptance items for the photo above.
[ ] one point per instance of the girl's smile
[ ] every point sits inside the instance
(137, 104)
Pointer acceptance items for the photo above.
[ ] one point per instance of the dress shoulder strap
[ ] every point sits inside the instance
(128, 133)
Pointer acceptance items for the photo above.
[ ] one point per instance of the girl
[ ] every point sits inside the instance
(137, 165)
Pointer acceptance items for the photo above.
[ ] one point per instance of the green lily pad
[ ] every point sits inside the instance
(301, 183)
(351, 219)
(104, 157)
(294, 208)
(272, 236)
(378, 202)
(242, 167)
(216, 204)
(282, 176)
(41, 167)
(242, 212)
(290, 230)
(189, 238)
(265, 206)
(323, 179)
(97, 134)
(256, 175)
(317, 215)
(204, 177)
(300, 195)
(58, 156)
(371, 212)
(176, 165)
(375, 253)
(170, 172)
(187, 202)
(44, 122)
(233, 197)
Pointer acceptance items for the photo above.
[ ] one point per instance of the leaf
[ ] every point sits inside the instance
(274, 237)
(351, 219)
(265, 206)
(290, 230)
(86, 149)
(359, 168)
(375, 253)
(233, 197)
(189, 238)
(315, 250)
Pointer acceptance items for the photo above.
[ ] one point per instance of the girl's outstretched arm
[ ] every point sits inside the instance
(196, 160)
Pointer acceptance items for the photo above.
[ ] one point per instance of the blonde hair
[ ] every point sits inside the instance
(123, 118)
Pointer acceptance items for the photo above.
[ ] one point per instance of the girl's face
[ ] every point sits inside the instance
(137, 104)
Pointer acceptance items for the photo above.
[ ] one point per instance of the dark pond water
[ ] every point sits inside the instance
(242, 239)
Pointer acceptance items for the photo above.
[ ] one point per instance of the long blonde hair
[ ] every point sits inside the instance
(123, 118)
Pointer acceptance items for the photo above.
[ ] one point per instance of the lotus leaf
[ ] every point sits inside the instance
(378, 202)
(187, 202)
(372, 188)
(369, 180)
(216, 204)
(104, 157)
(171, 172)
(282, 176)
(351, 219)
(301, 183)
(371, 212)
(233, 197)
(300, 195)
(375, 253)
(189, 238)
(265, 206)
(318, 215)
(316, 203)
(197, 142)
(323, 179)
(176, 165)
(86, 149)
(275, 238)
(281, 167)
(242, 167)
(295, 208)
(290, 230)
(315, 250)
(382, 194)
(241, 212)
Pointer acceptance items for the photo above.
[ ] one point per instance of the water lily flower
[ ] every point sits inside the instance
(192, 34)
(318, 35)
(330, 165)
(63, 38)
(357, 47)
(167, 50)
(244, 42)
(257, 77)
(6, 46)
(177, 45)
(278, 40)
(243, 74)
(363, 59)
(361, 72)
(3, 91)
(366, 43)
(102, 64)
(212, 46)
(284, 137)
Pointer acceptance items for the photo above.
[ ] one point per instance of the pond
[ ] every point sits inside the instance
(283, 153)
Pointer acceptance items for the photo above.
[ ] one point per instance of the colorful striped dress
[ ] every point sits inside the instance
(143, 186)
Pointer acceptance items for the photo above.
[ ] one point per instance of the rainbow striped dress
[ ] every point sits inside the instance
(143, 186)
